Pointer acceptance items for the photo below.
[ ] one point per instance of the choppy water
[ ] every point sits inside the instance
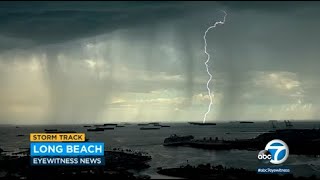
(150, 141)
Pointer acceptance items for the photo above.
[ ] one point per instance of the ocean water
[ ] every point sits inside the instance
(150, 141)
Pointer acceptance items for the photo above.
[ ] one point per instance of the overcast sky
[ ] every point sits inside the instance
(94, 62)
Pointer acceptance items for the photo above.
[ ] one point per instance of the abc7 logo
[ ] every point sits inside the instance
(275, 152)
(264, 156)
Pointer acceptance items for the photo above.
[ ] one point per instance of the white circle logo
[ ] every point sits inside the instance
(279, 151)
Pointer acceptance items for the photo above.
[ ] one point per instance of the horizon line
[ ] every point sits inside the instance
(167, 122)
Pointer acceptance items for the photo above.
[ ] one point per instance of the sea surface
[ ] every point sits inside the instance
(150, 141)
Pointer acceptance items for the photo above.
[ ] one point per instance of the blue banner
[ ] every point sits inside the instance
(67, 149)
(67, 161)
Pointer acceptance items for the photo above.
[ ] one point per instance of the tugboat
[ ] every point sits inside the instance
(177, 140)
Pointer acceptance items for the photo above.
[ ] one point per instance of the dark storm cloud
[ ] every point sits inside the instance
(267, 6)
(41, 23)
(160, 46)
(54, 22)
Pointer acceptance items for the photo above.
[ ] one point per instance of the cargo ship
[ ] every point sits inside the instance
(110, 124)
(143, 124)
(96, 129)
(202, 124)
(165, 126)
(177, 140)
(246, 122)
(149, 128)
(107, 128)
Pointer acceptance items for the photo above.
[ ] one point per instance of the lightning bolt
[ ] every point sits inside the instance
(207, 61)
